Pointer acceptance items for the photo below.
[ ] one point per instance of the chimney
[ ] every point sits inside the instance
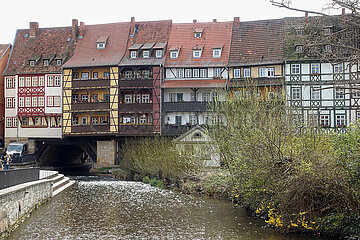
(81, 30)
(34, 27)
(132, 26)
(343, 14)
(74, 29)
(214, 20)
(236, 21)
(306, 17)
(194, 21)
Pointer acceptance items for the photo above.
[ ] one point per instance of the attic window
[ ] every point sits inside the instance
(101, 45)
(198, 32)
(46, 62)
(133, 54)
(299, 48)
(197, 135)
(327, 31)
(197, 53)
(32, 63)
(146, 54)
(216, 52)
(174, 54)
(158, 53)
(58, 62)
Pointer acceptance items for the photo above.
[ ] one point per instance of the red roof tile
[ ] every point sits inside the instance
(3, 49)
(257, 41)
(56, 42)
(204, 83)
(86, 53)
(213, 34)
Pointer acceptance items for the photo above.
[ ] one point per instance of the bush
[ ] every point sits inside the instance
(156, 183)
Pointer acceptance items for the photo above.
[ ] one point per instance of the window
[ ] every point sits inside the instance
(313, 119)
(339, 93)
(75, 98)
(84, 121)
(21, 101)
(217, 72)
(46, 62)
(94, 120)
(10, 83)
(299, 32)
(340, 121)
(84, 98)
(57, 81)
(128, 98)
(295, 68)
(21, 82)
(107, 97)
(106, 75)
(315, 93)
(327, 31)
(178, 120)
(58, 62)
(180, 73)
(188, 73)
(76, 75)
(34, 81)
(145, 74)
(206, 97)
(193, 97)
(50, 101)
(95, 75)
(266, 72)
(57, 101)
(10, 102)
(327, 48)
(25, 121)
(299, 48)
(146, 54)
(75, 120)
(315, 68)
(34, 101)
(192, 120)
(9, 122)
(15, 122)
(95, 97)
(28, 82)
(50, 81)
(203, 73)
(41, 81)
(217, 53)
(103, 119)
(296, 93)
(197, 35)
(356, 93)
(85, 75)
(179, 97)
(172, 97)
(338, 68)
(195, 73)
(145, 98)
(138, 98)
(246, 72)
(41, 102)
(174, 54)
(158, 53)
(196, 53)
(32, 63)
(142, 119)
(133, 54)
(324, 121)
(28, 102)
(100, 45)
(237, 73)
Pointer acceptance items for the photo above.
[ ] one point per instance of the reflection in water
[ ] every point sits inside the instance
(104, 208)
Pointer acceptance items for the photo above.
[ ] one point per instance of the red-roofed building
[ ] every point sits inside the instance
(33, 82)
(196, 65)
(4, 57)
(140, 78)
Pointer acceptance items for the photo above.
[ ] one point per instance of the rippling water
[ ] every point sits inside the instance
(104, 208)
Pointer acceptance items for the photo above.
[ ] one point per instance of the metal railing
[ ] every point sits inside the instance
(14, 177)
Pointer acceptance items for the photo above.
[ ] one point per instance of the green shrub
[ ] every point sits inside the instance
(156, 183)
(146, 180)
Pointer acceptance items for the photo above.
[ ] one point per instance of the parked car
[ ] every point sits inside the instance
(19, 153)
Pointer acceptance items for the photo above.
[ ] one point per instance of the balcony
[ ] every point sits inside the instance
(174, 129)
(185, 106)
(84, 83)
(90, 129)
(135, 107)
(90, 106)
(136, 83)
(136, 129)
(242, 82)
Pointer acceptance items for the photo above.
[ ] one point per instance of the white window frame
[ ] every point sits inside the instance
(267, 72)
(41, 102)
(21, 82)
(58, 62)
(32, 63)
(299, 48)
(21, 101)
(174, 54)
(41, 81)
(57, 81)
(203, 72)
(339, 93)
(340, 120)
(325, 120)
(315, 68)
(180, 72)
(85, 75)
(146, 54)
(296, 93)
(197, 53)
(100, 45)
(338, 68)
(197, 35)
(28, 82)
(188, 73)
(57, 101)
(217, 72)
(46, 62)
(50, 81)
(27, 101)
(295, 68)
(84, 121)
(145, 98)
(128, 98)
(217, 53)
(50, 101)
(158, 53)
(237, 73)
(142, 119)
(172, 97)
(34, 101)
(9, 122)
(34, 81)
(15, 122)
(196, 73)
(247, 72)
(315, 94)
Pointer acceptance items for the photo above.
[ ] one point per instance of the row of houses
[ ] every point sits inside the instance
(157, 77)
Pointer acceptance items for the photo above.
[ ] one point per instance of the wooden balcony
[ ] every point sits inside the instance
(90, 106)
(84, 83)
(135, 107)
(136, 83)
(185, 106)
(258, 82)
(174, 129)
(136, 129)
(90, 129)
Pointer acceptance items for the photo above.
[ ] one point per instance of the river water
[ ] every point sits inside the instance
(105, 208)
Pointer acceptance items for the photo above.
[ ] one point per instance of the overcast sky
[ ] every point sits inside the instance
(16, 14)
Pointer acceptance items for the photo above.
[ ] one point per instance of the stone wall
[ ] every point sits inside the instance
(106, 153)
(16, 202)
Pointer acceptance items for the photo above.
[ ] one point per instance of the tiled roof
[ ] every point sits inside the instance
(86, 53)
(49, 41)
(257, 41)
(203, 83)
(213, 34)
(151, 34)
(3, 49)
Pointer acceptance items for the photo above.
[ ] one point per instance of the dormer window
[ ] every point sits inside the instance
(46, 62)
(146, 54)
(101, 42)
(327, 48)
(327, 31)
(100, 45)
(299, 48)
(58, 62)
(198, 32)
(158, 53)
(32, 63)
(174, 54)
(197, 53)
(133, 54)
(216, 52)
